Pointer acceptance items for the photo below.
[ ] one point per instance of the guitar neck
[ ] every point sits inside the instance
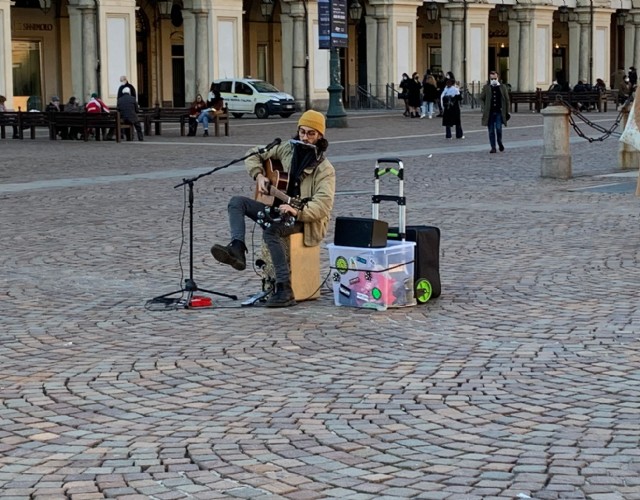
(283, 197)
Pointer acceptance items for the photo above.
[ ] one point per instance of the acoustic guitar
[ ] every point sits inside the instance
(278, 183)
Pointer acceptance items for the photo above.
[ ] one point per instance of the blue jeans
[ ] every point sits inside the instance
(427, 108)
(274, 236)
(495, 128)
(203, 118)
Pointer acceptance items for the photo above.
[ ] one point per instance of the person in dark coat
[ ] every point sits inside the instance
(494, 99)
(415, 102)
(124, 84)
(450, 100)
(54, 107)
(441, 83)
(129, 109)
(404, 92)
(633, 77)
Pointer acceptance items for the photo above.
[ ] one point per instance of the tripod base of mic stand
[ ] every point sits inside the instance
(190, 301)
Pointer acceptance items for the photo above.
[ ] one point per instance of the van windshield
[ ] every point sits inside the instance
(261, 86)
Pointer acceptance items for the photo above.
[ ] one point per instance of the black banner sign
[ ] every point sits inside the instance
(332, 24)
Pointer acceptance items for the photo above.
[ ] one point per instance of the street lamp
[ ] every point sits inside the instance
(355, 11)
(266, 7)
(621, 17)
(563, 14)
(164, 8)
(433, 13)
(45, 5)
(503, 13)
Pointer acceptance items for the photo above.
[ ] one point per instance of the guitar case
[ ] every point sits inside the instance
(426, 267)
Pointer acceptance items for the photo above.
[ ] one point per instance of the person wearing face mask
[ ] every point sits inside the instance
(494, 99)
(404, 92)
(624, 89)
(124, 83)
(633, 77)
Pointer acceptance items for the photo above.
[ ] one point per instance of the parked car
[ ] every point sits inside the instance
(247, 95)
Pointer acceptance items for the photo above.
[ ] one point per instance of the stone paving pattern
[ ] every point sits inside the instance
(521, 381)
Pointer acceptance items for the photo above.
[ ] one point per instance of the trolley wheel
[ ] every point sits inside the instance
(424, 290)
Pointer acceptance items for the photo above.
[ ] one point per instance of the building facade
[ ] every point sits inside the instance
(173, 49)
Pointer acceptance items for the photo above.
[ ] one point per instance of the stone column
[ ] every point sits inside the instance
(190, 49)
(455, 13)
(628, 157)
(556, 155)
(573, 70)
(629, 40)
(584, 52)
(636, 46)
(202, 53)
(525, 49)
(382, 68)
(523, 57)
(6, 70)
(89, 55)
(514, 48)
(299, 58)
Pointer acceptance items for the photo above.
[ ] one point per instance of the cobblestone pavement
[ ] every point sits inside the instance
(521, 381)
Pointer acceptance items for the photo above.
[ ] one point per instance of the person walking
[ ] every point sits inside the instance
(450, 100)
(494, 99)
(404, 92)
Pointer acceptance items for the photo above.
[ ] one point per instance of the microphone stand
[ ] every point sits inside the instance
(190, 285)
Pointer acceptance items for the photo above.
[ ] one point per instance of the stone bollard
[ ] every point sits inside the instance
(628, 157)
(556, 155)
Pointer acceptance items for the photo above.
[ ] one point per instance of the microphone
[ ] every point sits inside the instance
(271, 145)
(305, 144)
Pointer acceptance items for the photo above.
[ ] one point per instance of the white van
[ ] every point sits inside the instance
(246, 95)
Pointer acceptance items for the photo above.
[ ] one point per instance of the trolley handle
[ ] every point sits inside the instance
(396, 168)
(398, 172)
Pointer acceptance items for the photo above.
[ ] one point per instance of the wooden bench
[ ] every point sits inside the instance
(158, 116)
(530, 98)
(22, 121)
(589, 99)
(221, 119)
(610, 96)
(8, 119)
(85, 122)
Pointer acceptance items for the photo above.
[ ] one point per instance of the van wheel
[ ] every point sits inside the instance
(237, 115)
(285, 115)
(262, 111)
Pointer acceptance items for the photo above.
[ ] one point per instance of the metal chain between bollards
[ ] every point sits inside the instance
(606, 133)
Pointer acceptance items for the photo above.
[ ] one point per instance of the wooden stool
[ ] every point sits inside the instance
(305, 268)
(304, 263)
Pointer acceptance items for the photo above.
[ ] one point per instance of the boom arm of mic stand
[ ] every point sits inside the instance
(204, 174)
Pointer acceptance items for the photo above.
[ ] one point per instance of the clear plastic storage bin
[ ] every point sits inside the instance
(374, 278)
